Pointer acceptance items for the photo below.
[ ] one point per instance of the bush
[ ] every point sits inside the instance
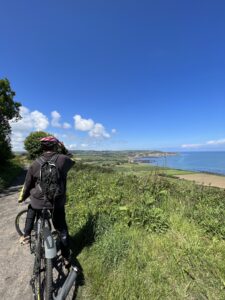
(33, 145)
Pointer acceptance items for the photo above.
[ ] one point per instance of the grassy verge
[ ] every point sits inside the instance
(146, 236)
(10, 171)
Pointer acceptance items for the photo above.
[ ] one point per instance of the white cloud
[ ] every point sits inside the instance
(72, 146)
(216, 142)
(98, 131)
(37, 121)
(66, 125)
(55, 119)
(113, 130)
(191, 145)
(30, 121)
(40, 121)
(95, 130)
(17, 139)
(205, 144)
(34, 120)
(83, 124)
(25, 123)
(84, 145)
(55, 122)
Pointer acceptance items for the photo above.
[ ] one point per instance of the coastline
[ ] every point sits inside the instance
(211, 163)
(210, 179)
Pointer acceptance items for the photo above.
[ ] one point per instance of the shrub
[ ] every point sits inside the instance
(33, 145)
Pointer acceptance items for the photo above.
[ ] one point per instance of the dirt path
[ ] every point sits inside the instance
(15, 260)
(205, 179)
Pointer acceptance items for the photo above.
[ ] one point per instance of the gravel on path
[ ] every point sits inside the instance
(15, 260)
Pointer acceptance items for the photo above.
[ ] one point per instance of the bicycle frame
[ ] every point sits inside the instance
(44, 233)
(45, 246)
(70, 280)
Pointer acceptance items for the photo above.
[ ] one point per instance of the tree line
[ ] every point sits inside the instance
(9, 109)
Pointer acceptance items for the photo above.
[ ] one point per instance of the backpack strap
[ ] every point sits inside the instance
(54, 158)
(41, 161)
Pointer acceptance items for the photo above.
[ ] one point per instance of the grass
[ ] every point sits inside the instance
(128, 264)
(174, 172)
(10, 171)
(140, 169)
(143, 236)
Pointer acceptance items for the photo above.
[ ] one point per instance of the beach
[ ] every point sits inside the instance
(205, 179)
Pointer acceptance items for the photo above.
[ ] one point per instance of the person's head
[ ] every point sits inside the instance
(49, 143)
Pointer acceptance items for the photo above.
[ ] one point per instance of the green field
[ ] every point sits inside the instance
(119, 161)
(140, 234)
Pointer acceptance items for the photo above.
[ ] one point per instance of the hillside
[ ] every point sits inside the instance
(139, 235)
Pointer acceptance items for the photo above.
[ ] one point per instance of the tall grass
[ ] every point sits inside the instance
(146, 237)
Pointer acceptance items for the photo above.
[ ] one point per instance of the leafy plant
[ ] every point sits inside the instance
(9, 109)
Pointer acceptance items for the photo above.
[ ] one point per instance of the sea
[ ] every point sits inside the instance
(210, 162)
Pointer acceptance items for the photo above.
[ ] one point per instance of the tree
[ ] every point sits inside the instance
(33, 145)
(9, 109)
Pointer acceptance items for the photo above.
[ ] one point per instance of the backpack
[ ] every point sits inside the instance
(49, 181)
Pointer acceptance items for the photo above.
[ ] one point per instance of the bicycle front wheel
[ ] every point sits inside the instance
(47, 281)
(42, 282)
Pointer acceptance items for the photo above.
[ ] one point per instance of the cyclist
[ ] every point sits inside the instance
(31, 188)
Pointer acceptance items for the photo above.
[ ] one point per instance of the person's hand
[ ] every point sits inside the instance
(20, 200)
(60, 144)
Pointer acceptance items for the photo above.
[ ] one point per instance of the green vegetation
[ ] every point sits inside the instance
(120, 161)
(9, 109)
(141, 169)
(32, 144)
(145, 236)
(103, 158)
(10, 171)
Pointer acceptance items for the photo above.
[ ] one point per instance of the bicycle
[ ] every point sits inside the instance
(43, 246)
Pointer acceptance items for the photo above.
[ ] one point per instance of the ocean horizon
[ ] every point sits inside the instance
(198, 161)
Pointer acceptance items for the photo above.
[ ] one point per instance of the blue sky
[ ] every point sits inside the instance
(124, 74)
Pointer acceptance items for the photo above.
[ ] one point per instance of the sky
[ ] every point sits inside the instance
(117, 74)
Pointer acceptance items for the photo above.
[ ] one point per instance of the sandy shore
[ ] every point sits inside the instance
(205, 179)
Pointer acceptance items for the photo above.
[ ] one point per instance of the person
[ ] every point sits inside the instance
(38, 200)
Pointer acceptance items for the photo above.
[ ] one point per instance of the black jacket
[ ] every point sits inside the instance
(30, 188)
